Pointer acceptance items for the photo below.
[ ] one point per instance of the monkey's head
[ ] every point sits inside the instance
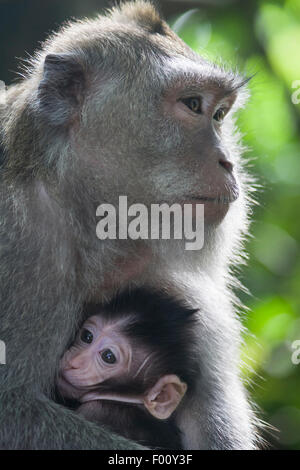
(125, 355)
(102, 355)
(120, 105)
(131, 108)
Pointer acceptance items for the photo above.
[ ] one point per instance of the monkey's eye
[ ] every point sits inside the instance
(108, 356)
(220, 114)
(86, 336)
(194, 104)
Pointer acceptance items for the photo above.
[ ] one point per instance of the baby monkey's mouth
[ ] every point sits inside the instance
(68, 389)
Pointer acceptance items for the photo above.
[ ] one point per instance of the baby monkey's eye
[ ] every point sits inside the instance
(220, 114)
(194, 104)
(86, 336)
(108, 356)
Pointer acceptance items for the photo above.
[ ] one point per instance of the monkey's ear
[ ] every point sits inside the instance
(162, 399)
(61, 89)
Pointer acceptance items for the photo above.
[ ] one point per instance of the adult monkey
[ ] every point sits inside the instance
(116, 106)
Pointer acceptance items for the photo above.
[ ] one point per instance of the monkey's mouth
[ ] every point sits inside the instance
(67, 388)
(224, 198)
(216, 200)
(63, 382)
(215, 206)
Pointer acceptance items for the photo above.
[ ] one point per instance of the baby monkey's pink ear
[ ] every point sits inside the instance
(162, 399)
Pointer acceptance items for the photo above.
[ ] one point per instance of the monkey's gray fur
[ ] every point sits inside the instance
(85, 125)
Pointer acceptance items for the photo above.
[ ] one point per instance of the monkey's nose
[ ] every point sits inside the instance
(226, 165)
(75, 363)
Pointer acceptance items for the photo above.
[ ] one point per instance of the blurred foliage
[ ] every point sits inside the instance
(262, 38)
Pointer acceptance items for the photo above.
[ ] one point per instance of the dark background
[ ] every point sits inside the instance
(261, 38)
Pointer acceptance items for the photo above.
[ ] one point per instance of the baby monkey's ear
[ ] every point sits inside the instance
(162, 399)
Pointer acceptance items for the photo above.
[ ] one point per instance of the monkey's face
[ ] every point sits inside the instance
(195, 107)
(100, 352)
(162, 132)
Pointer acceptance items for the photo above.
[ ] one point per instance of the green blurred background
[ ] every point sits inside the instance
(257, 37)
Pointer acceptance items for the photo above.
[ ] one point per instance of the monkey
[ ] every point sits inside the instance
(128, 374)
(110, 106)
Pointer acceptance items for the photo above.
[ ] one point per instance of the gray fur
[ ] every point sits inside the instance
(81, 128)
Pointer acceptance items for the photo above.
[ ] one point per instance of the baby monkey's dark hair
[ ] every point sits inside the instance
(163, 325)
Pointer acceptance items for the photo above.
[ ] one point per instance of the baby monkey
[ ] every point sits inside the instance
(131, 365)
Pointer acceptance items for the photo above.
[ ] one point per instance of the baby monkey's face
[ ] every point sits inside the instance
(99, 352)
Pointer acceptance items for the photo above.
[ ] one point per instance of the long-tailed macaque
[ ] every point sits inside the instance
(130, 375)
(117, 105)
